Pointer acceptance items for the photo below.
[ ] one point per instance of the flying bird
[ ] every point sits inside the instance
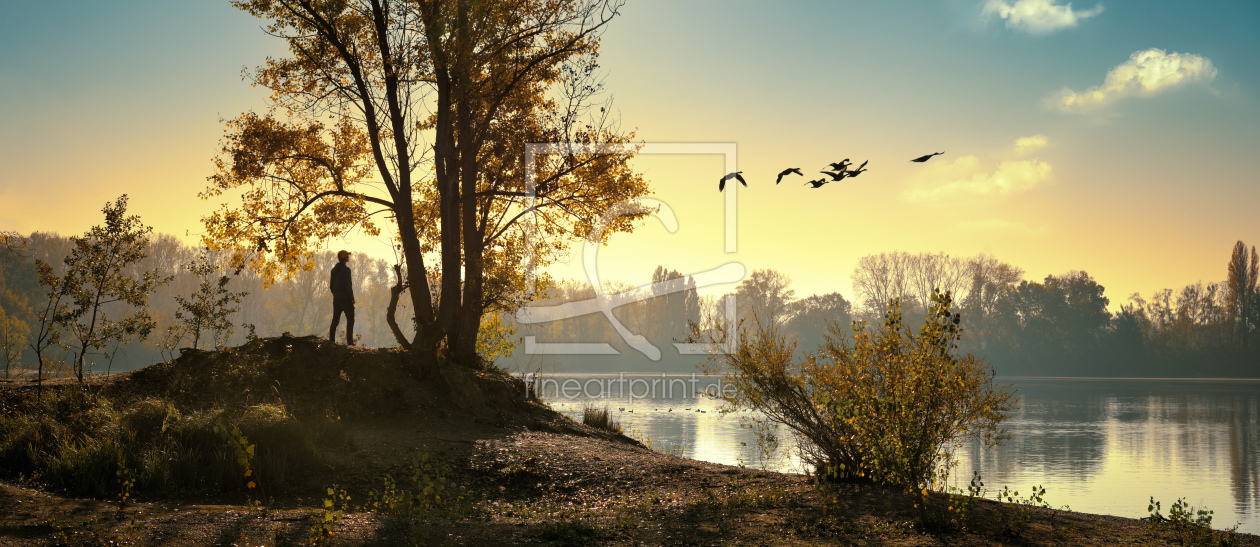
(736, 175)
(787, 172)
(861, 169)
(818, 183)
(834, 175)
(840, 166)
(922, 159)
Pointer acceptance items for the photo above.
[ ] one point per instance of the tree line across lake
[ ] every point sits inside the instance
(1059, 326)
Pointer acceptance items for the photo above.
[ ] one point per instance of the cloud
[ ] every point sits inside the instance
(1025, 145)
(1145, 73)
(1038, 16)
(963, 177)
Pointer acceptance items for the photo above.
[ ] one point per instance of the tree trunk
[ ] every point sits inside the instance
(392, 310)
(417, 280)
(446, 174)
(464, 345)
(39, 376)
(462, 338)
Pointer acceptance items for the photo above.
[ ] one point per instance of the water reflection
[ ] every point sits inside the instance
(1100, 446)
(1107, 446)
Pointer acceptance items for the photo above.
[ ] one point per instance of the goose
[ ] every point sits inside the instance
(736, 175)
(787, 172)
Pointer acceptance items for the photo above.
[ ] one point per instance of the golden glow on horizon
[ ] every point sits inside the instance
(1143, 199)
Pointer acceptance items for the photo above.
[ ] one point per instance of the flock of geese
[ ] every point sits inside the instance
(839, 171)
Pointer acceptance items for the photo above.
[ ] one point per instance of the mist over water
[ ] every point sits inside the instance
(1096, 445)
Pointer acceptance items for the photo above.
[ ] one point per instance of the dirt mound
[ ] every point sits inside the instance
(312, 376)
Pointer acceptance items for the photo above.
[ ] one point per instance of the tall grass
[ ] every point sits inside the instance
(77, 442)
(600, 418)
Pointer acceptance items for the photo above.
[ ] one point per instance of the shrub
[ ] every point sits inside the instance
(600, 418)
(1192, 526)
(79, 443)
(888, 407)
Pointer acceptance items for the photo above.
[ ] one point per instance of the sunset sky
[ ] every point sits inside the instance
(1117, 138)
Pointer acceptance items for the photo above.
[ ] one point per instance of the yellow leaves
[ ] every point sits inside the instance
(301, 181)
(297, 183)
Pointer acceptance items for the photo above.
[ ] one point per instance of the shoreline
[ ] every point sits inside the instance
(486, 468)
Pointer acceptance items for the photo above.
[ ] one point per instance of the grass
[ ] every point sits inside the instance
(80, 443)
(600, 418)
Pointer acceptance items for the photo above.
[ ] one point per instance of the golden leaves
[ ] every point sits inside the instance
(437, 117)
(297, 186)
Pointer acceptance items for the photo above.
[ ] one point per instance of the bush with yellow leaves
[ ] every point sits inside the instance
(886, 405)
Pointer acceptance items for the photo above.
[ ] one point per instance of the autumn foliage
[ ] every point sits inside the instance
(887, 406)
(414, 119)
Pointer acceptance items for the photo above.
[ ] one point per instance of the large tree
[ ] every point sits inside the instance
(1241, 288)
(815, 317)
(672, 313)
(764, 298)
(422, 111)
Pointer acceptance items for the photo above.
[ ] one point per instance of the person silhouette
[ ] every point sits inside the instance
(339, 283)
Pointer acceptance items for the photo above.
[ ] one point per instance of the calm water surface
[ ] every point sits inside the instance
(1097, 446)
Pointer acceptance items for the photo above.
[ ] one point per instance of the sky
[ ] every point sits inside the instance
(1116, 137)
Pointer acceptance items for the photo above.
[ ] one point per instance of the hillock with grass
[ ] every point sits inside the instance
(290, 402)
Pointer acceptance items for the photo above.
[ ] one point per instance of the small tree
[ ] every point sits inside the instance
(13, 334)
(211, 307)
(889, 408)
(96, 276)
(54, 310)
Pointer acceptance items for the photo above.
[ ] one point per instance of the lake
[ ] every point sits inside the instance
(1096, 445)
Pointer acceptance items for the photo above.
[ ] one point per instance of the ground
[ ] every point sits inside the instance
(514, 472)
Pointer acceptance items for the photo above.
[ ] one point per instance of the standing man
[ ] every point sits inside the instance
(343, 298)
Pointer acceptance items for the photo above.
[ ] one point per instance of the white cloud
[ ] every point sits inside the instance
(1025, 145)
(964, 177)
(1038, 16)
(1145, 73)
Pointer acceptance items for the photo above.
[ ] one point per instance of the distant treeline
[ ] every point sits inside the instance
(1059, 326)
(301, 305)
